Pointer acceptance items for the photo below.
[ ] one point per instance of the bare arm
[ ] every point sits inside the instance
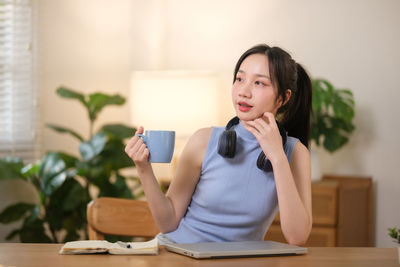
(169, 209)
(293, 182)
(293, 185)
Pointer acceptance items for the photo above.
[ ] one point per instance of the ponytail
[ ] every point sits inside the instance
(296, 118)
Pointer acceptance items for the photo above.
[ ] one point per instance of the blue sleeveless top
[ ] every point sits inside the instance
(233, 200)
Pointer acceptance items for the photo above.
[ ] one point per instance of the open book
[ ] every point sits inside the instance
(102, 246)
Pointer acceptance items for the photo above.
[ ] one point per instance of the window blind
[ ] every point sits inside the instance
(19, 118)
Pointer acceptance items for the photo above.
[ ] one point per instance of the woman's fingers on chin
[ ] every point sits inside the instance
(250, 123)
(252, 129)
(270, 117)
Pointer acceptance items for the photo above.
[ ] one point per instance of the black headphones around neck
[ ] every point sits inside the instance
(227, 144)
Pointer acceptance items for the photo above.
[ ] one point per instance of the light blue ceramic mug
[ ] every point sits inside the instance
(160, 145)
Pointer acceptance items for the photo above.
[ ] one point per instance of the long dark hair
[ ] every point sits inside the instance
(285, 74)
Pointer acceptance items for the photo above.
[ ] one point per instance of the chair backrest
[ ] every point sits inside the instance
(116, 216)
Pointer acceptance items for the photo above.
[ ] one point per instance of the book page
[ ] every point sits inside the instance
(102, 246)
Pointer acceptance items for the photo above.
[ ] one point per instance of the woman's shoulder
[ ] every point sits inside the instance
(294, 146)
(201, 137)
(300, 151)
(196, 146)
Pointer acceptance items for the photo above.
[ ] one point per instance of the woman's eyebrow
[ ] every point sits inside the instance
(263, 75)
(257, 74)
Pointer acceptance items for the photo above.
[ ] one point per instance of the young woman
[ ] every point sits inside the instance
(230, 181)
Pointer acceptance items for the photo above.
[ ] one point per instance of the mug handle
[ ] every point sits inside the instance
(142, 136)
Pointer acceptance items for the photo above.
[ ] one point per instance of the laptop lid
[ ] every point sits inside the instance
(235, 249)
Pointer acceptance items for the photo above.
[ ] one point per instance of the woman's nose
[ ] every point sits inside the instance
(245, 90)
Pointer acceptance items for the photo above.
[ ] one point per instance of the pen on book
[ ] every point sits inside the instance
(124, 244)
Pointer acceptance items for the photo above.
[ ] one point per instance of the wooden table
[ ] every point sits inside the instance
(43, 255)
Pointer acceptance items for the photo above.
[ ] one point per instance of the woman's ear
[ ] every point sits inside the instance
(288, 94)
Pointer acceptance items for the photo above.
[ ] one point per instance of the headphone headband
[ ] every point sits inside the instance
(232, 122)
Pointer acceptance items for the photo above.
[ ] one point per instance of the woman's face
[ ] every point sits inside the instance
(253, 93)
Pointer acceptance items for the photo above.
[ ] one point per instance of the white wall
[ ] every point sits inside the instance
(93, 45)
(354, 44)
(87, 46)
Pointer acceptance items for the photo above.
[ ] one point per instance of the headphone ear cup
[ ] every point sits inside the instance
(227, 144)
(263, 163)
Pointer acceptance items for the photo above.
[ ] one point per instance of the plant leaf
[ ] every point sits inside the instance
(13, 234)
(34, 214)
(69, 93)
(105, 186)
(115, 238)
(100, 100)
(113, 157)
(333, 139)
(31, 169)
(92, 148)
(393, 232)
(97, 101)
(87, 151)
(118, 131)
(65, 130)
(333, 113)
(342, 107)
(65, 203)
(71, 236)
(10, 168)
(15, 212)
(34, 232)
(83, 168)
(98, 142)
(53, 172)
(69, 160)
(74, 196)
(121, 187)
(74, 221)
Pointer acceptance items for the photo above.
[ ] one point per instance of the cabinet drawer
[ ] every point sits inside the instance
(275, 234)
(342, 213)
(324, 203)
(322, 237)
(319, 236)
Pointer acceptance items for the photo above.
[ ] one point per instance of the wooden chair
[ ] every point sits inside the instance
(115, 216)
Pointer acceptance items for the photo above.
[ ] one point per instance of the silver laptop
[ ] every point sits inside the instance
(235, 249)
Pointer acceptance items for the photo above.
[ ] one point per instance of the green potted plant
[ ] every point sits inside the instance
(63, 181)
(102, 154)
(62, 199)
(394, 233)
(333, 114)
(331, 120)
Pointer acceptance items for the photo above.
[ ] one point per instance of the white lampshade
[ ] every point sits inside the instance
(183, 101)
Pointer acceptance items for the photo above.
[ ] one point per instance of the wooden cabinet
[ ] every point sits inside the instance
(342, 213)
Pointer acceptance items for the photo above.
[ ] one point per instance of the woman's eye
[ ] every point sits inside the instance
(260, 83)
(238, 79)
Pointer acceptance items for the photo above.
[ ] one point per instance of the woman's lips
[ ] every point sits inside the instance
(244, 107)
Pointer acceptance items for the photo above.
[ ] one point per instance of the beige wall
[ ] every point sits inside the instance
(93, 45)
